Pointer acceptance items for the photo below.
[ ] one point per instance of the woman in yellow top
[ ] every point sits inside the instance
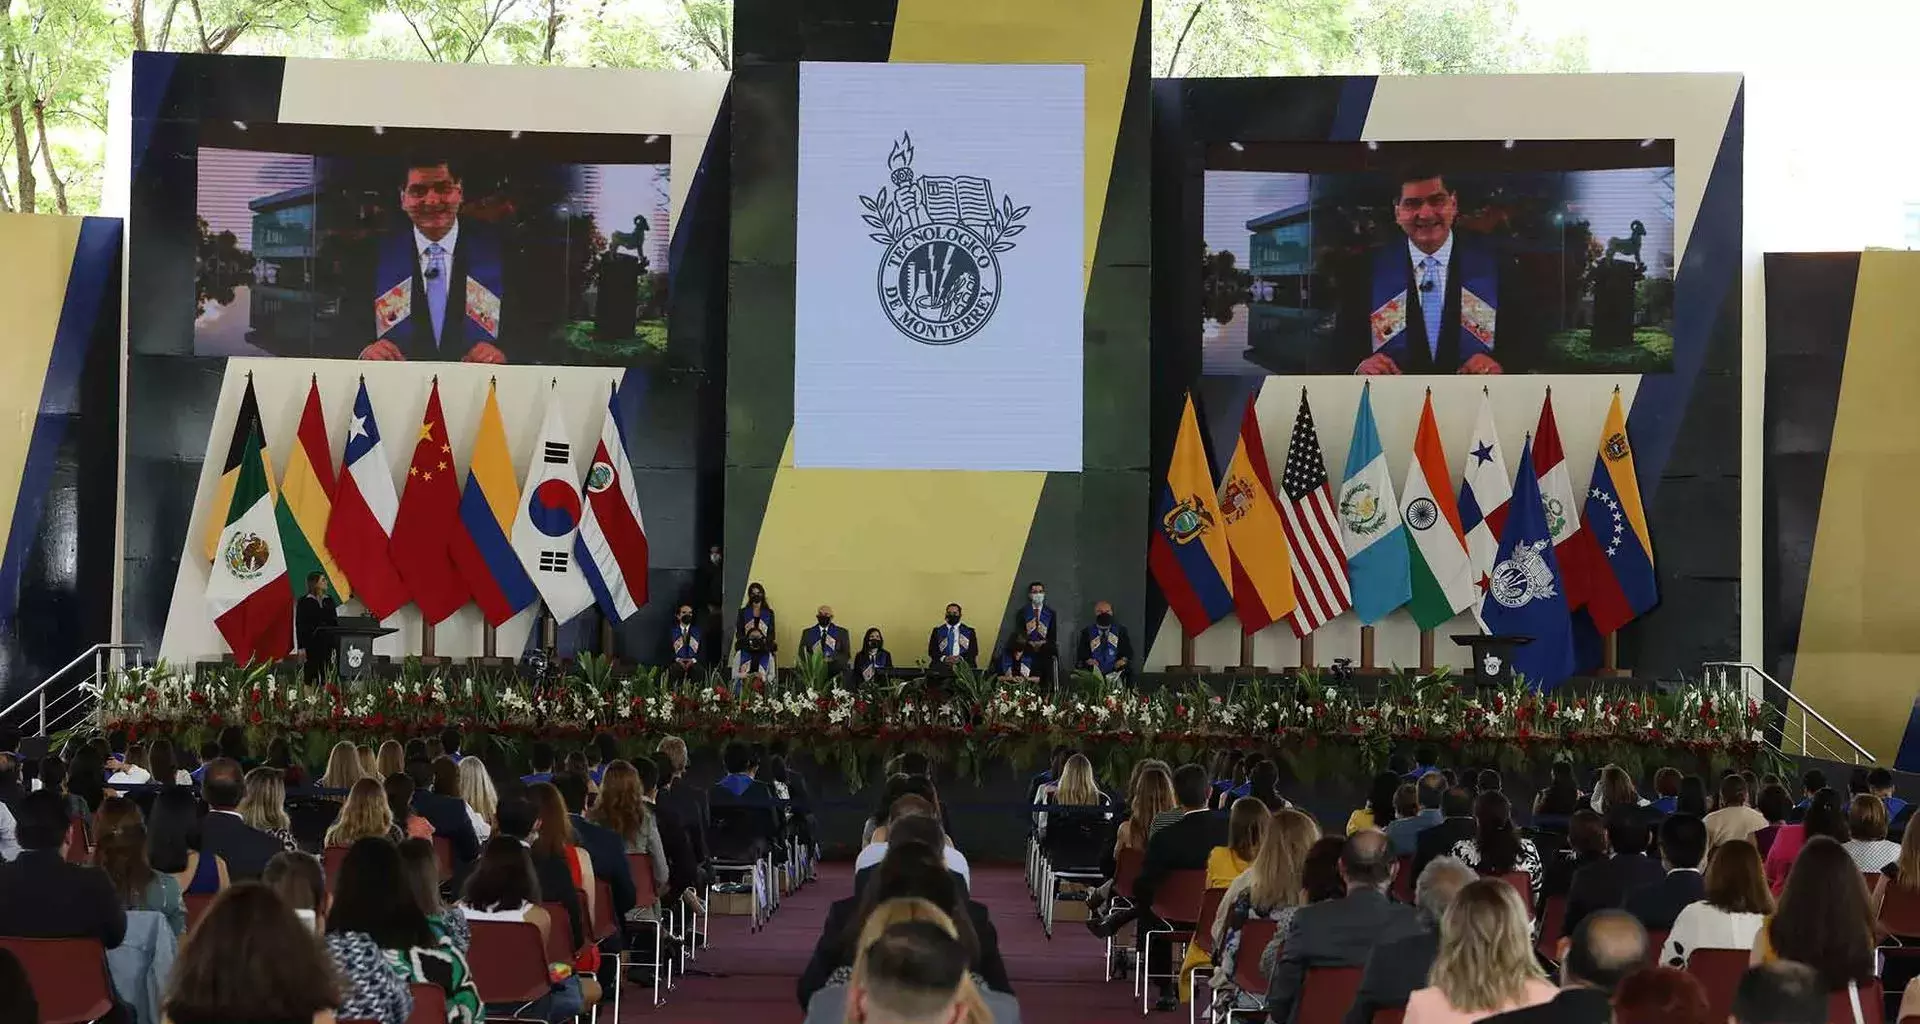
(1379, 809)
(1247, 826)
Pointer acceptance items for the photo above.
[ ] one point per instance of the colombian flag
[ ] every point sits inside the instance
(484, 553)
(1621, 583)
(1262, 570)
(1189, 555)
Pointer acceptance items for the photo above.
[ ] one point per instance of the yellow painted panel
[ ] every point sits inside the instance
(38, 254)
(1859, 654)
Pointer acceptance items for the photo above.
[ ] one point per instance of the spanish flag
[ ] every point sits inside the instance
(1188, 554)
(246, 427)
(306, 500)
(1262, 569)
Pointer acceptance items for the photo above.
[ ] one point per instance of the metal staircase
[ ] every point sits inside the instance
(1792, 726)
(66, 698)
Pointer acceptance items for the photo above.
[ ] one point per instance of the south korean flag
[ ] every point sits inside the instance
(549, 518)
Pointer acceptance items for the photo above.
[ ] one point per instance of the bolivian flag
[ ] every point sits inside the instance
(246, 428)
(1188, 553)
(306, 499)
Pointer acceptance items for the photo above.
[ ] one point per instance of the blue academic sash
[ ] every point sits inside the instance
(475, 287)
(1009, 663)
(686, 645)
(1039, 626)
(1395, 326)
(1103, 646)
(948, 645)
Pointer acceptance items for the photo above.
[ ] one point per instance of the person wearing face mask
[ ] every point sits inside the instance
(756, 616)
(683, 642)
(1104, 646)
(1037, 622)
(873, 661)
(830, 641)
(1017, 659)
(952, 642)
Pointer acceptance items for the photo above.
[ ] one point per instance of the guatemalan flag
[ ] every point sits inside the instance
(1188, 554)
(1378, 566)
(1526, 595)
(1484, 496)
(484, 551)
(360, 523)
(549, 516)
(611, 548)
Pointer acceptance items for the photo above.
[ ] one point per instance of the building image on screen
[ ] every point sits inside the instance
(430, 245)
(1451, 257)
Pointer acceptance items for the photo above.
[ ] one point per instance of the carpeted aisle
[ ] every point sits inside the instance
(1057, 980)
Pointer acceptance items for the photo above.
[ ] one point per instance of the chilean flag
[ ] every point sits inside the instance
(611, 547)
(360, 526)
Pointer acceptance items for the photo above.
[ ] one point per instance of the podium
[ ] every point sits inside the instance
(352, 640)
(1492, 657)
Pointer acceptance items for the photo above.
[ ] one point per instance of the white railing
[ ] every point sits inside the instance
(1800, 729)
(50, 707)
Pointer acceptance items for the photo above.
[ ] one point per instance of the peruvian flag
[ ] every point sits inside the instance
(1571, 547)
(361, 523)
(611, 547)
(247, 591)
(429, 520)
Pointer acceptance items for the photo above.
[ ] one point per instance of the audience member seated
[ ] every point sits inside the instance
(1734, 820)
(226, 835)
(1149, 795)
(1774, 805)
(400, 790)
(911, 870)
(1811, 784)
(1867, 841)
(1586, 844)
(1614, 791)
(1824, 815)
(1683, 842)
(478, 796)
(422, 868)
(1556, 803)
(1403, 834)
(175, 844)
(1497, 847)
(563, 869)
(264, 806)
(1661, 995)
(623, 811)
(390, 759)
(1735, 903)
(1247, 827)
(1456, 823)
(442, 814)
(42, 896)
(251, 960)
(679, 801)
(1343, 932)
(1263, 784)
(540, 759)
(1824, 920)
(381, 941)
(1604, 885)
(1379, 811)
(1608, 946)
(1880, 784)
(1076, 788)
(1485, 963)
(122, 854)
(1693, 797)
(1904, 872)
(1184, 845)
(1395, 969)
(1784, 992)
(1269, 890)
(744, 816)
(1666, 791)
(301, 883)
(911, 969)
(911, 806)
(503, 887)
(682, 880)
(343, 767)
(365, 815)
(605, 848)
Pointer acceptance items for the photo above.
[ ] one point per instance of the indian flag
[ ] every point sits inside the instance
(306, 499)
(1442, 575)
(247, 591)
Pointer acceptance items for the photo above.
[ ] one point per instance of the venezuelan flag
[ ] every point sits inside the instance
(1188, 554)
(1622, 583)
(483, 552)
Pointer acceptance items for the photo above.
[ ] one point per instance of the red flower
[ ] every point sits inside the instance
(256, 718)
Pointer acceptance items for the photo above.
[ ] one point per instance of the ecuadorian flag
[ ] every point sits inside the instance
(1188, 554)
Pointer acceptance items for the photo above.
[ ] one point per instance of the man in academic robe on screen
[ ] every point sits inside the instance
(439, 290)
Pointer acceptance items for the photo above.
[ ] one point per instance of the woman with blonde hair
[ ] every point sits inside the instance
(369, 764)
(1076, 788)
(1485, 964)
(1269, 890)
(264, 806)
(1247, 826)
(623, 810)
(391, 760)
(476, 790)
(365, 815)
(343, 767)
(1614, 791)
(978, 1004)
(1149, 795)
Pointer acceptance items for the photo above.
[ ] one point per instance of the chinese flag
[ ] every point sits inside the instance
(429, 519)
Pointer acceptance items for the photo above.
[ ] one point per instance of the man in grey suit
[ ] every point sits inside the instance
(1395, 969)
(1342, 932)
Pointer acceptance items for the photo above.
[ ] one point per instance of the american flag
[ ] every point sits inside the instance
(1313, 531)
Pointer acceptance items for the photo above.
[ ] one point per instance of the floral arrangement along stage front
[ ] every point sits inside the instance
(969, 720)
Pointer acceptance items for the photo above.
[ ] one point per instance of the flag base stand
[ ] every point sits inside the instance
(606, 637)
(1366, 649)
(1246, 666)
(1186, 666)
(488, 641)
(427, 657)
(1306, 652)
(1426, 652)
(1610, 657)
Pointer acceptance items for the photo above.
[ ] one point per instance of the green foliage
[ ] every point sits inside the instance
(1571, 350)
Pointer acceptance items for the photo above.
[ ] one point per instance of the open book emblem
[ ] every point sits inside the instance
(939, 279)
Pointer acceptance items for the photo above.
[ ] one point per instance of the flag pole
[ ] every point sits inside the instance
(426, 642)
(1610, 655)
(1306, 651)
(1426, 652)
(606, 636)
(1366, 648)
(487, 643)
(1246, 666)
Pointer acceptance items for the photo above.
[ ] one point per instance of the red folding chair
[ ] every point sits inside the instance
(1522, 883)
(197, 904)
(1403, 878)
(1900, 911)
(78, 852)
(1126, 869)
(1390, 1015)
(1719, 971)
(1254, 938)
(330, 860)
(1873, 1004)
(429, 1004)
(443, 855)
(559, 933)
(69, 977)
(1553, 919)
(662, 965)
(1326, 993)
(1203, 937)
(1656, 941)
(1176, 902)
(508, 963)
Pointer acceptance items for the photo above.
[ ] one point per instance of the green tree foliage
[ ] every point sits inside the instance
(1206, 38)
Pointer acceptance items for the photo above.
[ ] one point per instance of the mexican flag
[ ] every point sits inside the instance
(1442, 576)
(247, 591)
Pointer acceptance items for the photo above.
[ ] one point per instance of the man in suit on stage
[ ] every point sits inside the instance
(953, 642)
(1104, 646)
(1041, 628)
(831, 641)
(439, 288)
(683, 644)
(1431, 305)
(315, 611)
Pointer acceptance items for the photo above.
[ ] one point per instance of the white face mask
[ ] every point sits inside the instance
(714, 558)
(1038, 599)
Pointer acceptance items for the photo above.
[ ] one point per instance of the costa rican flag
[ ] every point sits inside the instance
(611, 547)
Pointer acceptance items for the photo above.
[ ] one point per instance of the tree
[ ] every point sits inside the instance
(1200, 38)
